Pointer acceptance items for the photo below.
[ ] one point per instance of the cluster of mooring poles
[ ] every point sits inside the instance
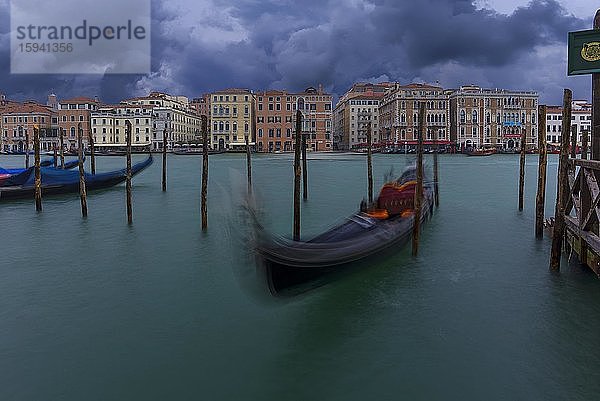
(576, 223)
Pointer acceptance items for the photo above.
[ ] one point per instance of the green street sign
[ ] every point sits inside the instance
(584, 52)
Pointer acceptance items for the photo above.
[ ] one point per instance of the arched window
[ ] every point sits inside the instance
(462, 116)
(474, 116)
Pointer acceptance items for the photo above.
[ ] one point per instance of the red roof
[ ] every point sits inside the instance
(78, 100)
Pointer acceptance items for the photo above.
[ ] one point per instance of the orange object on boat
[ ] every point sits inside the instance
(381, 214)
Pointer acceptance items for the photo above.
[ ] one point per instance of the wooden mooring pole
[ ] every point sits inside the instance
(297, 173)
(55, 151)
(62, 148)
(436, 188)
(304, 169)
(164, 160)
(92, 151)
(128, 134)
(204, 190)
(540, 199)
(419, 189)
(522, 169)
(26, 148)
(573, 141)
(562, 185)
(38, 175)
(82, 189)
(249, 164)
(370, 162)
(584, 144)
(596, 104)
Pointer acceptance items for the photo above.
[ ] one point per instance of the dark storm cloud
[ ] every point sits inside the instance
(203, 46)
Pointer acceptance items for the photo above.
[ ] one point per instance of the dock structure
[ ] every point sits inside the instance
(577, 214)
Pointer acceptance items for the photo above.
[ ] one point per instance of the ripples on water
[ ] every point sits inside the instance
(99, 310)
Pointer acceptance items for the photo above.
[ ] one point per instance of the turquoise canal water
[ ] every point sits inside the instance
(98, 310)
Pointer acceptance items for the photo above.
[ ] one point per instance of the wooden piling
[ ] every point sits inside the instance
(26, 149)
(92, 151)
(164, 161)
(249, 164)
(62, 148)
(419, 189)
(436, 188)
(297, 173)
(38, 175)
(573, 146)
(584, 144)
(540, 199)
(304, 169)
(562, 185)
(128, 134)
(204, 208)
(82, 189)
(522, 168)
(370, 163)
(55, 154)
(596, 104)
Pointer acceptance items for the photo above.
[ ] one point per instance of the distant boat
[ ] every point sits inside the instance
(291, 266)
(197, 151)
(481, 152)
(57, 181)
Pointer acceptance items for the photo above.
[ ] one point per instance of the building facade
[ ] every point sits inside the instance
(232, 118)
(581, 117)
(17, 121)
(109, 124)
(73, 113)
(274, 116)
(399, 114)
(493, 118)
(173, 113)
(354, 111)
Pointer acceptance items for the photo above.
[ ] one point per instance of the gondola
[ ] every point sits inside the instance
(291, 267)
(56, 181)
(481, 152)
(5, 174)
(197, 152)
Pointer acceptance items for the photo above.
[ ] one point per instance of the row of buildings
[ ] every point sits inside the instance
(466, 117)
(267, 118)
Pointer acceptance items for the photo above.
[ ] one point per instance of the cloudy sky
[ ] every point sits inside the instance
(203, 45)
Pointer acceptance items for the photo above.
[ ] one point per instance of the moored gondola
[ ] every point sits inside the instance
(291, 267)
(57, 181)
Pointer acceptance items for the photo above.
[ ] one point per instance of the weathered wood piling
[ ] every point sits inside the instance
(164, 161)
(419, 187)
(26, 148)
(540, 199)
(562, 185)
(128, 134)
(92, 151)
(62, 148)
(304, 169)
(584, 144)
(204, 190)
(82, 189)
(249, 164)
(370, 163)
(297, 173)
(55, 154)
(573, 141)
(38, 174)
(522, 169)
(436, 178)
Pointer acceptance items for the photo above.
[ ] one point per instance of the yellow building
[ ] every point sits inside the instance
(232, 118)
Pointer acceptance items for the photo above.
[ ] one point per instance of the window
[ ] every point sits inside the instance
(462, 116)
(474, 116)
